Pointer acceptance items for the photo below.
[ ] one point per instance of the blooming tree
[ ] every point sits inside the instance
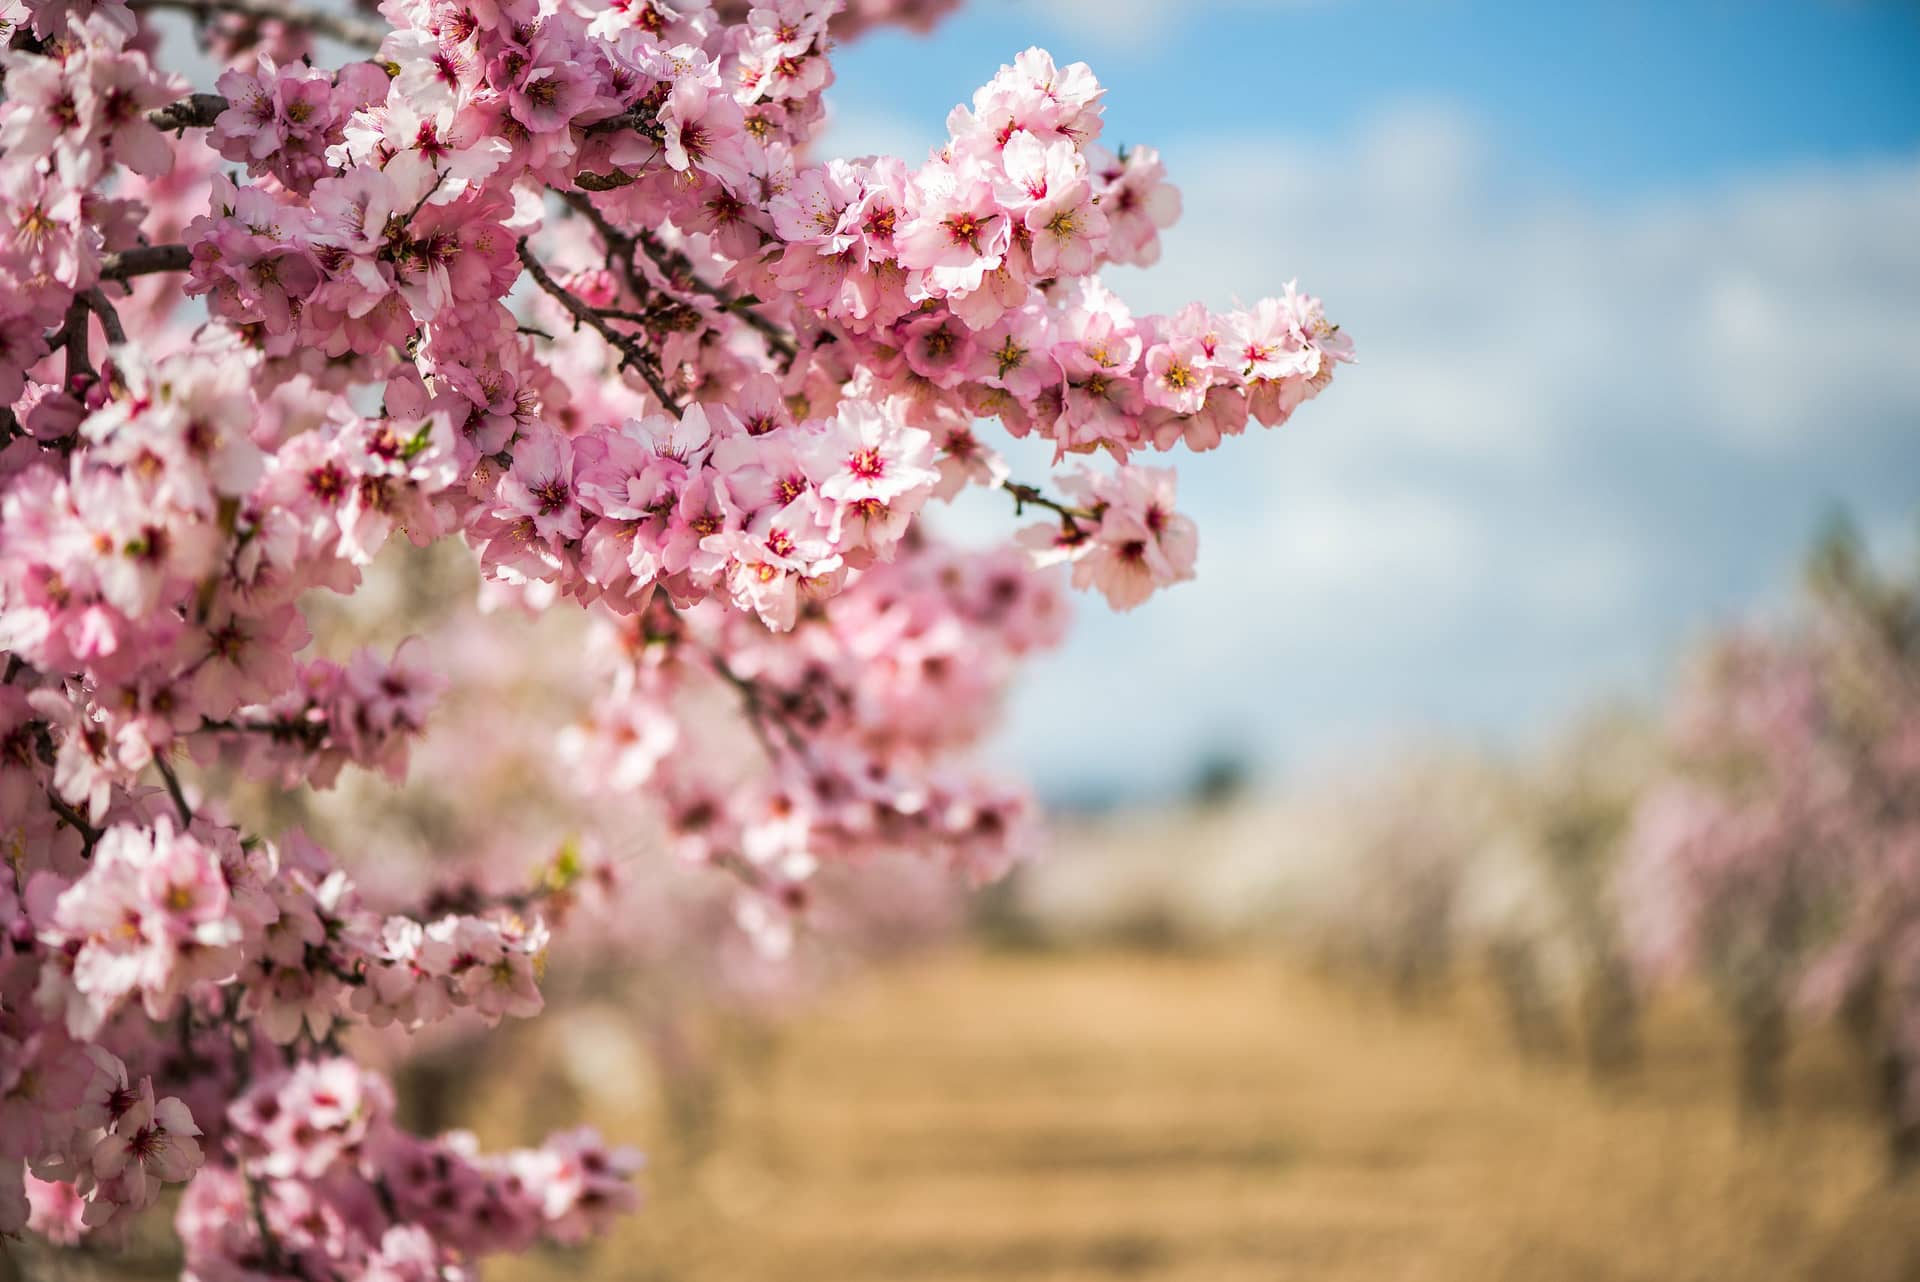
(1732, 860)
(557, 279)
(1867, 630)
(1580, 802)
(1780, 857)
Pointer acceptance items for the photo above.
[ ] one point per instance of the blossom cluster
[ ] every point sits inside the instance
(350, 1194)
(555, 280)
(67, 122)
(76, 1119)
(856, 713)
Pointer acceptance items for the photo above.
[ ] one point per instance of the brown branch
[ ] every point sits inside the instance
(602, 182)
(677, 270)
(176, 792)
(619, 244)
(631, 352)
(195, 111)
(310, 735)
(73, 337)
(759, 714)
(89, 835)
(145, 260)
(621, 313)
(256, 1204)
(341, 27)
(1025, 496)
(97, 303)
(645, 120)
(729, 861)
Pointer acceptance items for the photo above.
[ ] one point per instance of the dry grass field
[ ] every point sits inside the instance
(1067, 1118)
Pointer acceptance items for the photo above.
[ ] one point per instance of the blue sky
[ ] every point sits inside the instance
(1606, 98)
(1637, 293)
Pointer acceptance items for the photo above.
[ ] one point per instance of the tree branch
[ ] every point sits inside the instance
(256, 1203)
(347, 30)
(676, 269)
(109, 318)
(602, 182)
(1025, 496)
(631, 352)
(89, 834)
(200, 110)
(646, 121)
(145, 260)
(195, 111)
(308, 734)
(753, 702)
(73, 337)
(176, 792)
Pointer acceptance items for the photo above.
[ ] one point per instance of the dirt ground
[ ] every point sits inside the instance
(1220, 1119)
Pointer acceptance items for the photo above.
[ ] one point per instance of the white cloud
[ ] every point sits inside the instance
(1765, 308)
(1578, 433)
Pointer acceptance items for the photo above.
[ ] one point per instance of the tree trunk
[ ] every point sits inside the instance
(1762, 1033)
(1611, 1012)
(1863, 1014)
(1531, 1019)
(1901, 1119)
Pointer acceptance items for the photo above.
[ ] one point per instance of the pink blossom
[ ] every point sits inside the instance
(541, 485)
(702, 129)
(954, 232)
(786, 670)
(867, 455)
(1137, 201)
(153, 1143)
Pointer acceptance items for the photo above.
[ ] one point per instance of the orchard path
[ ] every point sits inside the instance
(1235, 1120)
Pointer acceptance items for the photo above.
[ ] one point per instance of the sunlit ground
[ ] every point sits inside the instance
(1080, 1116)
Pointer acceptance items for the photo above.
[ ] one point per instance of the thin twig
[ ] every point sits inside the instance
(621, 313)
(310, 734)
(760, 713)
(677, 268)
(174, 790)
(731, 862)
(631, 352)
(89, 835)
(1025, 496)
(269, 1244)
(384, 1192)
(338, 26)
(679, 273)
(618, 243)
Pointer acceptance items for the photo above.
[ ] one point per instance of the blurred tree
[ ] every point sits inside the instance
(1779, 857)
(1868, 628)
(1222, 777)
(1584, 799)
